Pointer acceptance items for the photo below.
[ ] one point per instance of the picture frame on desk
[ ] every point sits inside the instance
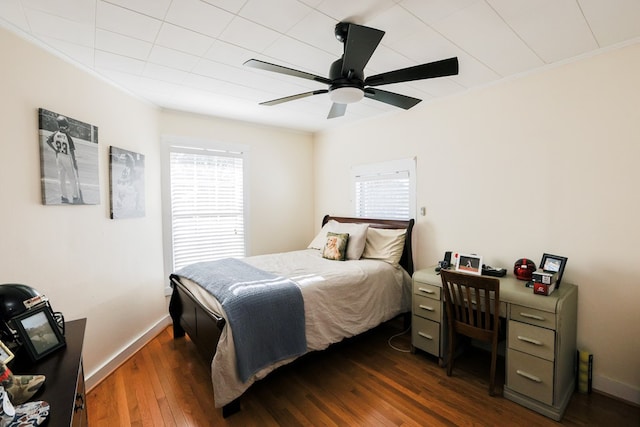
(553, 264)
(39, 332)
(468, 263)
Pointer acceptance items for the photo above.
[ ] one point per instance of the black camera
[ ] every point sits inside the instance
(442, 265)
(445, 263)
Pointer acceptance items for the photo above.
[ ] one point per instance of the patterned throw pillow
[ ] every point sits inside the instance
(336, 246)
(357, 237)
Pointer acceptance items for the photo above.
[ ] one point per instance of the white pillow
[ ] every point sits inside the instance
(385, 244)
(357, 237)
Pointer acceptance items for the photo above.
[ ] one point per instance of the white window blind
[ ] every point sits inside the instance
(207, 205)
(385, 190)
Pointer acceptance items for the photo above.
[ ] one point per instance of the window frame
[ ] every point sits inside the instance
(385, 168)
(172, 143)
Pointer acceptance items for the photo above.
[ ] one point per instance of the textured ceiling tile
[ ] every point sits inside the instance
(279, 15)
(183, 40)
(188, 54)
(133, 24)
(198, 16)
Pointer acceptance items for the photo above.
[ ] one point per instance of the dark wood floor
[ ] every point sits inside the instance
(359, 382)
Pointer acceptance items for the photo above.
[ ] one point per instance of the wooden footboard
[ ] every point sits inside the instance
(203, 327)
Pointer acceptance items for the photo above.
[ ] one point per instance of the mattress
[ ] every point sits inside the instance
(341, 299)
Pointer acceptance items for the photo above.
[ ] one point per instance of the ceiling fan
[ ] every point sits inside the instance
(346, 81)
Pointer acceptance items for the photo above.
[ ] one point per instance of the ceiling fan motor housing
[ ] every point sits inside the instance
(345, 89)
(342, 28)
(352, 79)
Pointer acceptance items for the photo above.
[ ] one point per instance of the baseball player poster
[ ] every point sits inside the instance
(126, 171)
(68, 160)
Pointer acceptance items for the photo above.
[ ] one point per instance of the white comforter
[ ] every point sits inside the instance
(341, 299)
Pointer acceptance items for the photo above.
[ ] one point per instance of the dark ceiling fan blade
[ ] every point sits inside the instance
(360, 44)
(391, 98)
(337, 110)
(294, 97)
(445, 67)
(256, 63)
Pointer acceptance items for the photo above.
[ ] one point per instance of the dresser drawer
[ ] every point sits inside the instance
(428, 308)
(530, 376)
(425, 335)
(531, 339)
(533, 316)
(426, 290)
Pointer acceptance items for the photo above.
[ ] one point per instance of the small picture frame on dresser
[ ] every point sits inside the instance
(6, 355)
(553, 264)
(39, 332)
(468, 263)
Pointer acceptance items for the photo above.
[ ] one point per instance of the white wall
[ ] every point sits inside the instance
(111, 271)
(543, 163)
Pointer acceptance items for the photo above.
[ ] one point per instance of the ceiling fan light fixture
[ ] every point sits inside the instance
(346, 95)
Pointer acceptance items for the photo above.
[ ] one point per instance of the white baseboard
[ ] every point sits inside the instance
(617, 389)
(95, 377)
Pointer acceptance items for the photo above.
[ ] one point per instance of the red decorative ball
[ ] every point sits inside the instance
(524, 268)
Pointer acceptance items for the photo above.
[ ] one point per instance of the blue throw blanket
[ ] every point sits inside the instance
(265, 311)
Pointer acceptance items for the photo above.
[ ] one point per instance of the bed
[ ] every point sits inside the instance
(340, 298)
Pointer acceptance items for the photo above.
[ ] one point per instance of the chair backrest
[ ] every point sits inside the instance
(472, 304)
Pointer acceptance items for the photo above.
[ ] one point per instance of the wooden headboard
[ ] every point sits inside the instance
(406, 261)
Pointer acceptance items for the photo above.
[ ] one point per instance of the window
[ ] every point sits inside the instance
(204, 202)
(385, 190)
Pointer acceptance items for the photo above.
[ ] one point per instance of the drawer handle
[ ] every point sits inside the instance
(528, 376)
(424, 307)
(532, 316)
(79, 407)
(426, 291)
(529, 340)
(427, 336)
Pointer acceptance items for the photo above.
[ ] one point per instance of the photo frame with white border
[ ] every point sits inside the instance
(469, 263)
(39, 332)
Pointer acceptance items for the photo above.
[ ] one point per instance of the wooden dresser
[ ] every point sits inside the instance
(64, 386)
(541, 338)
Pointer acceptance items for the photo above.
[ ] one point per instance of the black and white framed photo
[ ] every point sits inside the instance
(6, 355)
(68, 160)
(126, 170)
(39, 332)
(467, 263)
(553, 264)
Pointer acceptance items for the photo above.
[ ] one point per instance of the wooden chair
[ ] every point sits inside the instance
(473, 310)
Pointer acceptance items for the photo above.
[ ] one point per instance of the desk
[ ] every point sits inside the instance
(540, 359)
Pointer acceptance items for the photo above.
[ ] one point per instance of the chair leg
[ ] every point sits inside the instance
(492, 374)
(452, 346)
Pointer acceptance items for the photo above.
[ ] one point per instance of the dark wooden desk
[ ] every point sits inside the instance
(64, 386)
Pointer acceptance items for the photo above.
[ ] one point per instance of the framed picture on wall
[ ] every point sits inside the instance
(68, 160)
(471, 264)
(126, 172)
(39, 332)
